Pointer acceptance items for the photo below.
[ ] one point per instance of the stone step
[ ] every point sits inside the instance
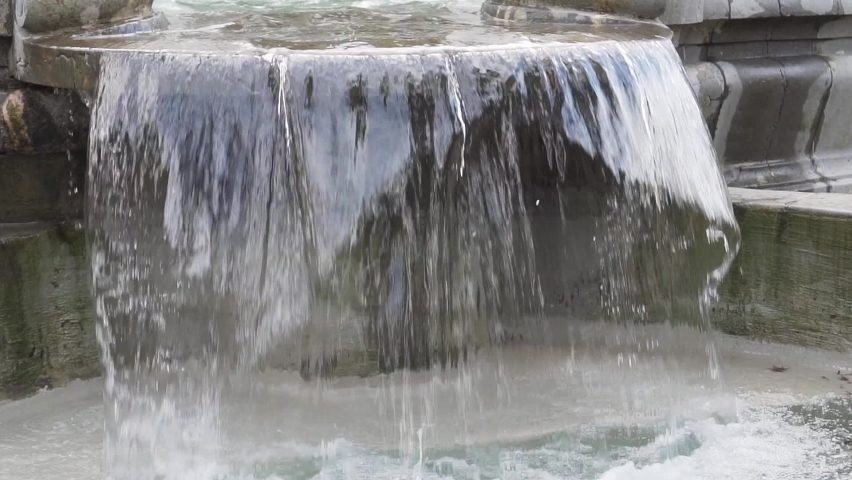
(46, 313)
(791, 280)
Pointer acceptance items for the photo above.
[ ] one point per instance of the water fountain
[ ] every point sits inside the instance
(395, 233)
(362, 206)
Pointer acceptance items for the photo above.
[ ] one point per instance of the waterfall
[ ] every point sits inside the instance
(358, 214)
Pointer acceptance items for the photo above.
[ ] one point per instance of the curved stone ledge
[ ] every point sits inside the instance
(46, 319)
(41, 16)
(791, 279)
(542, 13)
(647, 9)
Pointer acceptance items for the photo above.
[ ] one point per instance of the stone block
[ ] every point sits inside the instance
(797, 28)
(755, 8)
(40, 120)
(683, 12)
(790, 48)
(736, 32)
(41, 16)
(6, 22)
(695, 34)
(750, 109)
(708, 83)
(737, 51)
(809, 8)
(836, 47)
(836, 28)
(834, 137)
(692, 53)
(639, 8)
(46, 187)
(807, 81)
(791, 280)
(717, 10)
(46, 319)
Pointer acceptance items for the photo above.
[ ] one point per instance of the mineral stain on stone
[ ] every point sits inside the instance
(46, 320)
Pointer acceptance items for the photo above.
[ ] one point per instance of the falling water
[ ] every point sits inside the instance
(375, 213)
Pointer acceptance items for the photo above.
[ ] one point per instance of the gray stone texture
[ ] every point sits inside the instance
(750, 113)
(41, 120)
(791, 280)
(833, 141)
(47, 187)
(46, 318)
(755, 8)
(638, 8)
(6, 18)
(41, 16)
(687, 12)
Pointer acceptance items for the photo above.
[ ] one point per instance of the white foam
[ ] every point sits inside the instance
(58, 434)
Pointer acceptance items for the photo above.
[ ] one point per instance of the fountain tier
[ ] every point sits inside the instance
(389, 202)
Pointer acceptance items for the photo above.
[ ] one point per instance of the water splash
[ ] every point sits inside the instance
(355, 215)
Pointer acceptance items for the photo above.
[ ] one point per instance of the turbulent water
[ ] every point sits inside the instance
(354, 217)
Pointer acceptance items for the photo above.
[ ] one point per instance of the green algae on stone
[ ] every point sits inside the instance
(46, 318)
(792, 280)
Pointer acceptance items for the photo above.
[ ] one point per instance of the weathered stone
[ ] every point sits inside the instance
(708, 83)
(792, 278)
(750, 109)
(789, 163)
(791, 48)
(756, 30)
(638, 8)
(683, 12)
(755, 8)
(716, 9)
(692, 53)
(835, 47)
(806, 84)
(46, 318)
(737, 51)
(40, 16)
(6, 22)
(47, 187)
(834, 137)
(810, 7)
(695, 34)
(36, 120)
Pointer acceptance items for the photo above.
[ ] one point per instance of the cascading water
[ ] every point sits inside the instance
(377, 213)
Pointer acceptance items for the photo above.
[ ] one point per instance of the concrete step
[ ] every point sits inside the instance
(46, 317)
(792, 278)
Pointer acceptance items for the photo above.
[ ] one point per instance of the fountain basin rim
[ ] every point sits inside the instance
(55, 61)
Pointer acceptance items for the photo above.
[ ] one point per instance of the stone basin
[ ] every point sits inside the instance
(69, 59)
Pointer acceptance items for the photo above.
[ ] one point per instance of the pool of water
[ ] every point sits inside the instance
(328, 26)
(579, 414)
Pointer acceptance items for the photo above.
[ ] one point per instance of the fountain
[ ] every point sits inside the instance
(346, 242)
(381, 202)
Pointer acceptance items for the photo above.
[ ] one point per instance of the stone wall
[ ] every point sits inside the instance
(777, 97)
(792, 278)
(46, 318)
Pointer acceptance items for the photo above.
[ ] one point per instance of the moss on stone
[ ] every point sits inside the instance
(46, 318)
(792, 280)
